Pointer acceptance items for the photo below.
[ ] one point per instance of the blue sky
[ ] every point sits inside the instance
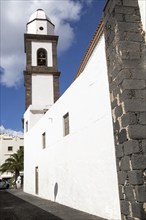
(75, 22)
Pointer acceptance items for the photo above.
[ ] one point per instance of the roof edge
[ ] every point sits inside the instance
(91, 47)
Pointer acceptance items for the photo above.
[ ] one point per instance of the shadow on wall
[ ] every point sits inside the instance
(55, 191)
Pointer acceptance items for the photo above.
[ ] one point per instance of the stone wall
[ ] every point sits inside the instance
(126, 57)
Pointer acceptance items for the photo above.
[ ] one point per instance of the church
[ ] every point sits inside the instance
(87, 148)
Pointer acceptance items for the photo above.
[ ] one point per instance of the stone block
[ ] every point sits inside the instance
(131, 146)
(132, 18)
(135, 105)
(138, 210)
(124, 10)
(132, 36)
(113, 85)
(128, 45)
(133, 84)
(137, 131)
(129, 193)
(123, 74)
(138, 161)
(120, 17)
(121, 193)
(122, 176)
(138, 73)
(134, 55)
(128, 94)
(142, 118)
(117, 164)
(116, 126)
(122, 136)
(116, 92)
(128, 26)
(118, 111)
(119, 151)
(114, 103)
(130, 3)
(140, 94)
(128, 119)
(135, 177)
(125, 163)
(125, 207)
(130, 64)
(140, 193)
(144, 145)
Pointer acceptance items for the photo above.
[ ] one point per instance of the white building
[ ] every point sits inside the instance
(9, 145)
(69, 142)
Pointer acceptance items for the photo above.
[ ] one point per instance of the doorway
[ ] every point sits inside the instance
(36, 180)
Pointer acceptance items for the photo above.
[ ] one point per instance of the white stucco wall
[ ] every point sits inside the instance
(82, 164)
(33, 27)
(142, 7)
(42, 89)
(48, 46)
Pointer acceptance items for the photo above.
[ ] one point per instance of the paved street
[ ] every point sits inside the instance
(14, 208)
(17, 205)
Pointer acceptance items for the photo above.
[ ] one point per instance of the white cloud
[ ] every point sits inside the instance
(3, 130)
(15, 15)
(12, 74)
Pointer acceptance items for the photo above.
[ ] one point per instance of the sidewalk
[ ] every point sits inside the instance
(61, 211)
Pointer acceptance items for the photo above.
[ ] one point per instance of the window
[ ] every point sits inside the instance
(21, 148)
(66, 124)
(26, 126)
(41, 57)
(44, 140)
(10, 148)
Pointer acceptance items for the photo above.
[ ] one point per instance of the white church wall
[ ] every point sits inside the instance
(42, 89)
(77, 170)
(142, 7)
(31, 28)
(34, 27)
(40, 23)
(50, 29)
(47, 46)
(33, 115)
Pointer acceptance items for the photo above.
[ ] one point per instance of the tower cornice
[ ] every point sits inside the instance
(38, 37)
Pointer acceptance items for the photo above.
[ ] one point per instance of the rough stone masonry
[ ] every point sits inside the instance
(126, 59)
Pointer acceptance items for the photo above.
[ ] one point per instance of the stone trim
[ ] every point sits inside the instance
(56, 87)
(38, 37)
(28, 88)
(42, 69)
(92, 45)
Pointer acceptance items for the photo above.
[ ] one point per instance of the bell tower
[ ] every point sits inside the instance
(41, 78)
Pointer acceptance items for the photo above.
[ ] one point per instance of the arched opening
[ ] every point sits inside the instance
(41, 57)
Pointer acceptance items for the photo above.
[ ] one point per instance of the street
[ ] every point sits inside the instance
(14, 208)
(18, 205)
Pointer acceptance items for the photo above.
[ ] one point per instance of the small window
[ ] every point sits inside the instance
(26, 124)
(66, 124)
(10, 148)
(21, 148)
(41, 57)
(41, 28)
(44, 140)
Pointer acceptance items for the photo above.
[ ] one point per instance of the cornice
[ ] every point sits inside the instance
(91, 47)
